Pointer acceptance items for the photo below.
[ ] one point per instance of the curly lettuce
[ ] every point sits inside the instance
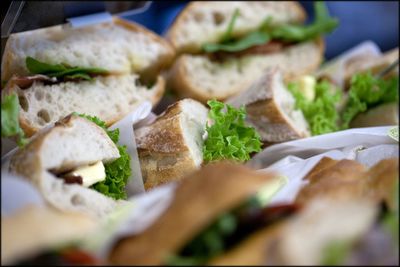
(228, 136)
(320, 113)
(118, 171)
(367, 91)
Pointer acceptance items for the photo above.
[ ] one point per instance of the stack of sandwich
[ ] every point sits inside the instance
(245, 75)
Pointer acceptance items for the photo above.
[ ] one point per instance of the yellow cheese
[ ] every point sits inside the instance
(307, 87)
(90, 174)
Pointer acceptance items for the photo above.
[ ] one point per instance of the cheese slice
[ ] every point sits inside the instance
(90, 174)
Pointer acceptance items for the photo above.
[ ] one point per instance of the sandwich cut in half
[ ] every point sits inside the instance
(171, 147)
(213, 210)
(76, 166)
(271, 109)
(225, 46)
(103, 70)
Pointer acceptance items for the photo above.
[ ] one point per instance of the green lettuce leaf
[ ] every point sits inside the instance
(228, 136)
(118, 171)
(321, 113)
(9, 119)
(267, 31)
(62, 70)
(367, 91)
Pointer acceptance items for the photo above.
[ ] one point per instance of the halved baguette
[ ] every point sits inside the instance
(120, 47)
(110, 98)
(206, 22)
(271, 109)
(171, 147)
(198, 77)
(72, 142)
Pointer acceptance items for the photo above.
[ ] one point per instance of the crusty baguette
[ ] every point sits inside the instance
(198, 77)
(204, 22)
(199, 199)
(171, 147)
(382, 115)
(35, 229)
(271, 109)
(110, 98)
(72, 142)
(120, 47)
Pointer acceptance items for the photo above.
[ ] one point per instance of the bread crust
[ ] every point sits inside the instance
(10, 55)
(163, 152)
(179, 79)
(180, 21)
(202, 196)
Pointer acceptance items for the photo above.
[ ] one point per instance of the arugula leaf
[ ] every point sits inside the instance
(320, 113)
(267, 31)
(118, 171)
(62, 70)
(228, 34)
(228, 136)
(366, 92)
(251, 39)
(9, 119)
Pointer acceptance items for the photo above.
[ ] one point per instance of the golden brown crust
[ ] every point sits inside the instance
(382, 179)
(181, 18)
(179, 80)
(252, 251)
(343, 180)
(202, 196)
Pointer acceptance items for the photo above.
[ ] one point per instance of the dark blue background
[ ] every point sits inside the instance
(359, 21)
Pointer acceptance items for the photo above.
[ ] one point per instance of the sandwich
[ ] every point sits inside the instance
(220, 202)
(76, 165)
(271, 110)
(104, 70)
(347, 214)
(223, 47)
(41, 235)
(188, 135)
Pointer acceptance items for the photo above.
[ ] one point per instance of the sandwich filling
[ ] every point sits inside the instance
(233, 226)
(269, 37)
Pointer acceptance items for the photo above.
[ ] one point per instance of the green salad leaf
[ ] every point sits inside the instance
(228, 136)
(267, 31)
(335, 253)
(367, 91)
(10, 119)
(62, 71)
(320, 113)
(118, 171)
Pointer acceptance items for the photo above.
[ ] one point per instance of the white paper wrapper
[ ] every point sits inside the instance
(25, 193)
(295, 159)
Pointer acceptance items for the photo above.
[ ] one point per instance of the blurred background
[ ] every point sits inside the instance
(377, 21)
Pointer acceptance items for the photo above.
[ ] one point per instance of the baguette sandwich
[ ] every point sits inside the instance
(340, 216)
(44, 236)
(76, 166)
(271, 109)
(188, 135)
(225, 46)
(103, 70)
(206, 217)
